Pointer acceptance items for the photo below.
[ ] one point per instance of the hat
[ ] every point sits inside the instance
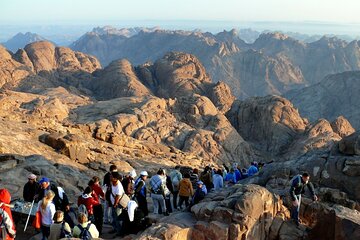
(132, 173)
(44, 179)
(199, 182)
(32, 176)
(144, 173)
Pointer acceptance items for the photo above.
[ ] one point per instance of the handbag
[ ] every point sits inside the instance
(37, 220)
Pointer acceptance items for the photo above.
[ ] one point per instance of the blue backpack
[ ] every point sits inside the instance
(85, 233)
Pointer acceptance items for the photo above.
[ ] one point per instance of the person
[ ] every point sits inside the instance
(117, 191)
(176, 177)
(158, 191)
(89, 201)
(31, 188)
(98, 194)
(59, 225)
(206, 178)
(128, 183)
(185, 190)
(237, 172)
(140, 192)
(298, 184)
(78, 230)
(252, 169)
(168, 193)
(47, 209)
(218, 180)
(230, 178)
(194, 177)
(7, 225)
(107, 202)
(244, 173)
(200, 193)
(60, 199)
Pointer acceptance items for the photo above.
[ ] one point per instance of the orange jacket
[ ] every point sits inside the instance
(6, 216)
(185, 188)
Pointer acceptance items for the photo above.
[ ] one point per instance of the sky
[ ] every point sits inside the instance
(93, 11)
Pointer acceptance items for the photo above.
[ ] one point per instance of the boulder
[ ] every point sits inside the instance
(350, 145)
(342, 127)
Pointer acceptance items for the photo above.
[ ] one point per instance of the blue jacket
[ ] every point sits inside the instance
(252, 170)
(230, 177)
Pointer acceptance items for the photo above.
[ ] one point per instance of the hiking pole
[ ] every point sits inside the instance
(28, 218)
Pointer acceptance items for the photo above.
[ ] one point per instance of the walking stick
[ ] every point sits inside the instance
(28, 218)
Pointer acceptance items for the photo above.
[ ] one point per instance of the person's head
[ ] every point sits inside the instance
(96, 179)
(113, 168)
(238, 168)
(115, 177)
(87, 190)
(199, 184)
(219, 171)
(305, 177)
(187, 175)
(49, 196)
(59, 216)
(91, 183)
(232, 170)
(144, 175)
(132, 174)
(177, 167)
(82, 218)
(161, 172)
(244, 170)
(196, 171)
(32, 178)
(44, 182)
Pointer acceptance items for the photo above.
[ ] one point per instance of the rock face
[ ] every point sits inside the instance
(330, 98)
(350, 145)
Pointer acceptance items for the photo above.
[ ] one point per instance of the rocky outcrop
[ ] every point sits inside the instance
(350, 145)
(342, 127)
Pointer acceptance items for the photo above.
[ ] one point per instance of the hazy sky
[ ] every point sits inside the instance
(82, 11)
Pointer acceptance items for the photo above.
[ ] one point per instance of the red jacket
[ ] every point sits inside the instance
(98, 190)
(5, 214)
(89, 202)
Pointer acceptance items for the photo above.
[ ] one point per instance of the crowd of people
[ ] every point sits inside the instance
(121, 200)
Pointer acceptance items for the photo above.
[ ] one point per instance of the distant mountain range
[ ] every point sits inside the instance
(274, 64)
(20, 40)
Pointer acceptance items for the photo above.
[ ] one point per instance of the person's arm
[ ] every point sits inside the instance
(139, 186)
(312, 191)
(52, 210)
(67, 227)
(8, 223)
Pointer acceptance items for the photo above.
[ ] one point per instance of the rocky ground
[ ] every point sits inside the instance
(64, 117)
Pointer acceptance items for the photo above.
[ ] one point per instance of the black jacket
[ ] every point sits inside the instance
(30, 190)
(60, 204)
(298, 187)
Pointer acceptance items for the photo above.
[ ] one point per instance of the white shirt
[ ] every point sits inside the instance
(47, 214)
(116, 190)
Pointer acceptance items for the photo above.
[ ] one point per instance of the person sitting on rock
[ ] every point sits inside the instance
(128, 183)
(7, 226)
(158, 191)
(230, 178)
(59, 229)
(97, 193)
(237, 172)
(85, 227)
(89, 201)
(252, 169)
(218, 180)
(185, 190)
(244, 173)
(140, 192)
(31, 188)
(297, 188)
(200, 193)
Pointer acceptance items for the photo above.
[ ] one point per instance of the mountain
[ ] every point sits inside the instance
(334, 96)
(20, 40)
(274, 64)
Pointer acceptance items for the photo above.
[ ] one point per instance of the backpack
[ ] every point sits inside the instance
(85, 233)
(82, 209)
(63, 232)
(175, 180)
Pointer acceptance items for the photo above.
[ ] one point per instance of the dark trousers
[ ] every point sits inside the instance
(175, 197)
(117, 221)
(296, 209)
(142, 204)
(45, 231)
(98, 217)
(168, 204)
(183, 199)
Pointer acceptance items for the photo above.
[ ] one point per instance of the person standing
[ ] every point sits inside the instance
(89, 201)
(158, 188)
(7, 226)
(98, 195)
(128, 183)
(31, 188)
(117, 192)
(140, 192)
(176, 177)
(47, 210)
(185, 190)
(298, 184)
(107, 202)
(206, 178)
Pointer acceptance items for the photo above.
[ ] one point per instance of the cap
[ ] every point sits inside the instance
(44, 179)
(132, 173)
(199, 182)
(32, 176)
(144, 173)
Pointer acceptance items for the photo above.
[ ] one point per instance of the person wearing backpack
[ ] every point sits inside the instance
(298, 184)
(176, 177)
(159, 191)
(59, 229)
(85, 229)
(88, 200)
(140, 192)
